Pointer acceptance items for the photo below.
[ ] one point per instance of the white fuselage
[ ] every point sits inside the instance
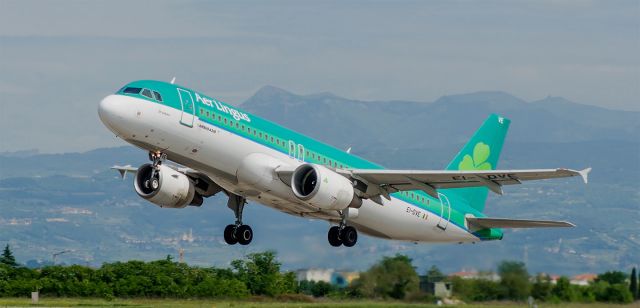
(219, 153)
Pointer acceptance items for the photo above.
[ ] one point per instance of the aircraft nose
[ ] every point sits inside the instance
(110, 111)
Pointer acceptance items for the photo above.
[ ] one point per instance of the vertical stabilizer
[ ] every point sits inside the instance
(480, 153)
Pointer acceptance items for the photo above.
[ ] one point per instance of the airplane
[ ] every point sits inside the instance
(199, 146)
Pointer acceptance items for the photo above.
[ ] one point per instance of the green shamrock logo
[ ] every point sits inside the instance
(481, 153)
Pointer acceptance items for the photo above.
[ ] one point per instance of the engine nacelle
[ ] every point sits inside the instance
(323, 188)
(165, 187)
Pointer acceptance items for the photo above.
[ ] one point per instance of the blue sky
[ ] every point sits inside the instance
(58, 59)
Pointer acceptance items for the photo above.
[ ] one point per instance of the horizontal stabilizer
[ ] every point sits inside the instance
(482, 223)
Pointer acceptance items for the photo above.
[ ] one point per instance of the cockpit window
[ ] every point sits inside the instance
(157, 96)
(132, 90)
(147, 93)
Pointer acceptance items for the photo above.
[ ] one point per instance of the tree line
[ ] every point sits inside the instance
(516, 284)
(259, 274)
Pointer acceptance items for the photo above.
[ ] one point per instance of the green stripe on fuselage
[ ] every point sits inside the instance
(321, 150)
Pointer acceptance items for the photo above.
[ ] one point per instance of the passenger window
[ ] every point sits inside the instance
(157, 96)
(131, 90)
(147, 93)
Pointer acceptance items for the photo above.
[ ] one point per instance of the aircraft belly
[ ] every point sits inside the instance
(394, 220)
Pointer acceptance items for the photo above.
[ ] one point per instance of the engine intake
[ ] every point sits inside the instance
(165, 187)
(323, 188)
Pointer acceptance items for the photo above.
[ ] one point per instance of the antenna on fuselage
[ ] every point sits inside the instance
(173, 80)
(349, 150)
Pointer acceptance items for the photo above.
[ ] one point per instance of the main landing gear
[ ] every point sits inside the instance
(237, 233)
(342, 234)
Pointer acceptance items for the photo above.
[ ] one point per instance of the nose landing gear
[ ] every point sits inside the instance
(157, 158)
(238, 232)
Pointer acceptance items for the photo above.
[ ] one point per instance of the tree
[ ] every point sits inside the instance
(514, 278)
(434, 274)
(618, 293)
(612, 277)
(392, 277)
(633, 286)
(564, 291)
(261, 273)
(8, 258)
(541, 288)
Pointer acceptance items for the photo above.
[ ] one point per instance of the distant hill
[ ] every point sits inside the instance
(51, 202)
(450, 119)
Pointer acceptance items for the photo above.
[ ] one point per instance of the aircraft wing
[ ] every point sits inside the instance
(484, 222)
(382, 182)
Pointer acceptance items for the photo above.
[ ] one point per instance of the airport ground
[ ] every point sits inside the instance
(259, 303)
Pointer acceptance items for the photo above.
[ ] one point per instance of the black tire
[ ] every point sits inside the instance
(229, 235)
(349, 236)
(244, 234)
(334, 236)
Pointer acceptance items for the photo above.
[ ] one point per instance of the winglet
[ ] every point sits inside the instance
(123, 170)
(584, 173)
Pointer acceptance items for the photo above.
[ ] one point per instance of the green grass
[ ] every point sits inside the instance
(259, 303)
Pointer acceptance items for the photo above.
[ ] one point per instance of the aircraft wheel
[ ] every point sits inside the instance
(244, 234)
(334, 236)
(349, 236)
(229, 235)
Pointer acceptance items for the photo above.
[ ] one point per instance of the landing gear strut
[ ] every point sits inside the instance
(157, 157)
(154, 181)
(237, 233)
(342, 234)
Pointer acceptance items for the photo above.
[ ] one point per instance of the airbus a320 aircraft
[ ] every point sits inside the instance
(220, 148)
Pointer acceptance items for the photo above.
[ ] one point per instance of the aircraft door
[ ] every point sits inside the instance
(292, 149)
(445, 211)
(188, 108)
(300, 153)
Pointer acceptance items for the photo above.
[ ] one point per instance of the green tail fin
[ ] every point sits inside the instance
(480, 153)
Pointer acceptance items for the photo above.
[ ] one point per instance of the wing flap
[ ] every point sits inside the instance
(430, 180)
(485, 222)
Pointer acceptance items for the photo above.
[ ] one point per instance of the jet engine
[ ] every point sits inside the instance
(323, 188)
(166, 187)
